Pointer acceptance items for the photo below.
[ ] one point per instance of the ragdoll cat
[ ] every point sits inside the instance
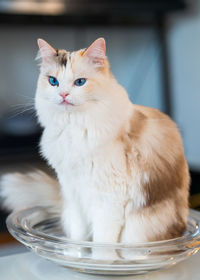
(121, 168)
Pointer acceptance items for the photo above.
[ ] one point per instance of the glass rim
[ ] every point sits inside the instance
(17, 224)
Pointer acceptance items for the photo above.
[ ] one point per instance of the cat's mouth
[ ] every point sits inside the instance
(65, 102)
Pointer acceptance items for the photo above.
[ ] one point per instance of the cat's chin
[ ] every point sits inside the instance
(69, 107)
(66, 107)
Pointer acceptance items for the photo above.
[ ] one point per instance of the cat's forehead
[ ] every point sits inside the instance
(70, 64)
(64, 57)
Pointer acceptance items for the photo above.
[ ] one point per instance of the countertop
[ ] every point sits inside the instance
(32, 267)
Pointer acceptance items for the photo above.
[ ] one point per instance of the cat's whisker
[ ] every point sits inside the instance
(23, 111)
(26, 97)
(22, 104)
(21, 107)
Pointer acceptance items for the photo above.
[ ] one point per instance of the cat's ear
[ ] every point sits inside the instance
(97, 51)
(45, 50)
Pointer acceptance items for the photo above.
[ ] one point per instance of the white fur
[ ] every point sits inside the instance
(18, 191)
(81, 142)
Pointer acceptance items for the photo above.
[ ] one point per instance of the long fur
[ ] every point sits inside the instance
(18, 191)
(121, 167)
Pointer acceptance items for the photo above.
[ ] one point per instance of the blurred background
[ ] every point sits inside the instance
(154, 51)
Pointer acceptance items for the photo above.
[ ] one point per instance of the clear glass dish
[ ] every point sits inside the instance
(39, 228)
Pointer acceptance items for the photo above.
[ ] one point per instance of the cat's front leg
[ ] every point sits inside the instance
(75, 227)
(108, 220)
(74, 224)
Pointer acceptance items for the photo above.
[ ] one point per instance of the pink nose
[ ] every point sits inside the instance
(64, 94)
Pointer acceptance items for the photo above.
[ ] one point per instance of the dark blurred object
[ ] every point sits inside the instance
(87, 11)
(195, 182)
(195, 190)
(3, 216)
(19, 134)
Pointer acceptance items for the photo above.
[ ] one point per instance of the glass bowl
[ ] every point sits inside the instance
(39, 228)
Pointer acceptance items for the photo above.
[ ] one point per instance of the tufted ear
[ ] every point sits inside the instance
(45, 50)
(97, 50)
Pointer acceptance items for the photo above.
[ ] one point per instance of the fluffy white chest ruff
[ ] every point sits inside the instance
(80, 165)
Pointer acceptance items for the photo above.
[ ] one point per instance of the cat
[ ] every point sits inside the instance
(121, 168)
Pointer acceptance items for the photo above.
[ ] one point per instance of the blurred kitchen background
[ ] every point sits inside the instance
(154, 51)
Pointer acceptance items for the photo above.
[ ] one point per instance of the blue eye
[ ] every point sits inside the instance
(80, 82)
(53, 81)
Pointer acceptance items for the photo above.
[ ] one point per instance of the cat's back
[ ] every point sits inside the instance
(152, 114)
(158, 172)
(155, 154)
(151, 140)
(156, 129)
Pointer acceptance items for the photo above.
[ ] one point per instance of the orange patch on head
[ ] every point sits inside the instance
(81, 52)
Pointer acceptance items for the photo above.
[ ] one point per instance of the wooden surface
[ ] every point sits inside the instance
(6, 238)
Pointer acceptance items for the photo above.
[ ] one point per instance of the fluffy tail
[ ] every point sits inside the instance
(18, 191)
